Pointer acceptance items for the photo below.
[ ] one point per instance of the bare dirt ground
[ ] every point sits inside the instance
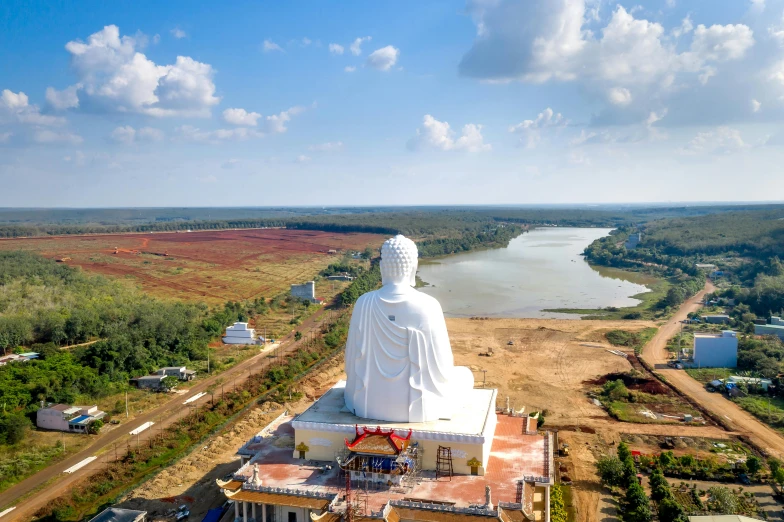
(546, 368)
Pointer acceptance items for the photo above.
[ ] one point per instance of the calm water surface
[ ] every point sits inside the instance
(538, 270)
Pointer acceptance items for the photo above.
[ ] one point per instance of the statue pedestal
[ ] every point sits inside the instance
(323, 428)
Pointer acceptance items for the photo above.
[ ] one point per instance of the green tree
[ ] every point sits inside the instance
(95, 426)
(611, 471)
(297, 335)
(557, 507)
(636, 505)
(722, 500)
(666, 459)
(671, 511)
(13, 428)
(754, 464)
(623, 451)
(660, 488)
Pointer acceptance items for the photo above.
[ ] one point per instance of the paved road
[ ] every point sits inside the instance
(740, 421)
(162, 416)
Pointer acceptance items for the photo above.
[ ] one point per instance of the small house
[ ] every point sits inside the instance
(149, 382)
(239, 333)
(774, 326)
(113, 514)
(181, 372)
(715, 350)
(73, 419)
(716, 319)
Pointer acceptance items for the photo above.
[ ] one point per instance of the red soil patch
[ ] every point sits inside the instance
(212, 266)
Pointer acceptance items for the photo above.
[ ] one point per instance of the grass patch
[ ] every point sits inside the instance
(634, 340)
(768, 410)
(706, 375)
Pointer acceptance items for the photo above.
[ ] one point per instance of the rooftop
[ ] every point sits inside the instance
(114, 514)
(469, 420)
(513, 457)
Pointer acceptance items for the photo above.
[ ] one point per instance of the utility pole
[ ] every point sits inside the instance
(126, 404)
(208, 361)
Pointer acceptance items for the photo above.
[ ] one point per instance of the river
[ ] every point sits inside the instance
(541, 269)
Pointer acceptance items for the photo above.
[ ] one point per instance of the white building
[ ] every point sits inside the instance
(181, 372)
(305, 291)
(716, 350)
(61, 417)
(239, 333)
(774, 327)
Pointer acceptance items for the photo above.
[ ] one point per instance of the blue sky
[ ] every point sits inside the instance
(364, 103)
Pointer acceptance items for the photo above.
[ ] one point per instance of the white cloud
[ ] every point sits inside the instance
(356, 46)
(330, 146)
(5, 136)
(48, 136)
(270, 46)
(17, 106)
(276, 123)
(125, 135)
(273, 124)
(720, 43)
(65, 99)
(619, 96)
(115, 76)
(178, 33)
(536, 42)
(128, 135)
(530, 129)
(349, 68)
(150, 134)
(241, 117)
(685, 28)
(336, 48)
(758, 5)
(306, 41)
(303, 159)
(755, 106)
(383, 59)
(722, 140)
(438, 135)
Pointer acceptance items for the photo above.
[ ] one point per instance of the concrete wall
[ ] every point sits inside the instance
(324, 445)
(304, 291)
(716, 352)
(769, 329)
(51, 420)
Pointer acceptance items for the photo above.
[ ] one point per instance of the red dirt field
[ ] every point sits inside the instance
(209, 266)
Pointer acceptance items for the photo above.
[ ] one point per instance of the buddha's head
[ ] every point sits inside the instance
(399, 261)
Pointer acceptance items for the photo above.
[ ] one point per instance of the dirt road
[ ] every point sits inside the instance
(106, 445)
(655, 353)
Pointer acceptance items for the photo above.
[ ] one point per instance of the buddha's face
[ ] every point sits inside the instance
(399, 261)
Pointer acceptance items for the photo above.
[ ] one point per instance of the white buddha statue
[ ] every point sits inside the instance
(399, 363)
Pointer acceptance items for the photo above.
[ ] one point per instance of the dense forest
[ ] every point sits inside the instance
(421, 222)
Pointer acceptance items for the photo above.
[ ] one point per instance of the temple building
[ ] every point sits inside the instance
(405, 437)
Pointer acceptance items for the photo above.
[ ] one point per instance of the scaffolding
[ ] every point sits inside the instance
(444, 462)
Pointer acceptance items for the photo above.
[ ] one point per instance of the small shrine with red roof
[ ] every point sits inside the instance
(380, 456)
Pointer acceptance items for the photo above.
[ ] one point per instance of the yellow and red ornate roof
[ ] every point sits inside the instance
(378, 441)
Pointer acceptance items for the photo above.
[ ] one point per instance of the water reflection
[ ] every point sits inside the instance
(538, 270)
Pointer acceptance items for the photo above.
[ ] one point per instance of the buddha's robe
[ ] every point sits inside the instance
(399, 362)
